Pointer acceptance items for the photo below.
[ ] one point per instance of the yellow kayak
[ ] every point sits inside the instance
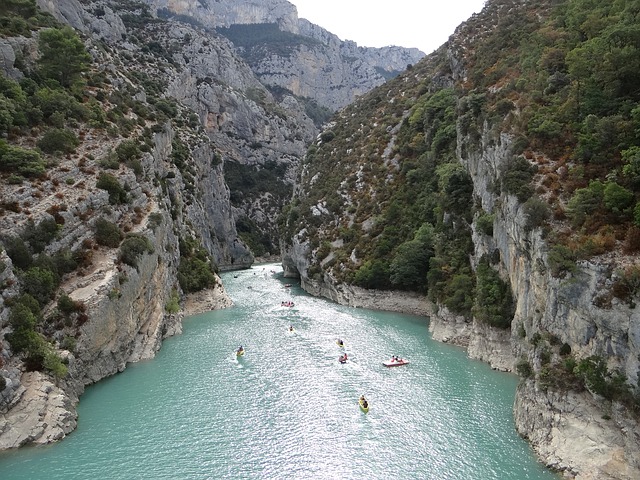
(364, 405)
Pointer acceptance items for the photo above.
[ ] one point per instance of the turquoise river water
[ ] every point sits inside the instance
(288, 409)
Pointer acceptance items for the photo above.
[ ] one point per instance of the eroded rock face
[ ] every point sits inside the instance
(573, 434)
(41, 413)
(322, 67)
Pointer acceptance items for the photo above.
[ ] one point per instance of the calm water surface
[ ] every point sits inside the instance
(287, 409)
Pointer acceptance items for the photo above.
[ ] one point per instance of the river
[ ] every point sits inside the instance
(288, 409)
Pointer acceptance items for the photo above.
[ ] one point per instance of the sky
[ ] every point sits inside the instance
(423, 24)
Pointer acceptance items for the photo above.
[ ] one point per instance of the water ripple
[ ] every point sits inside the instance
(287, 409)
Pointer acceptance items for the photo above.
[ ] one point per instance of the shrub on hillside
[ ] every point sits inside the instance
(117, 193)
(40, 283)
(584, 202)
(562, 260)
(28, 163)
(18, 252)
(517, 176)
(484, 223)
(132, 247)
(67, 305)
(38, 237)
(58, 140)
(536, 212)
(23, 334)
(127, 151)
(107, 233)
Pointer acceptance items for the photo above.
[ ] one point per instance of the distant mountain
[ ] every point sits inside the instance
(290, 53)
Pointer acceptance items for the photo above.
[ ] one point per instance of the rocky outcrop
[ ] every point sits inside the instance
(564, 308)
(574, 436)
(223, 13)
(403, 302)
(39, 413)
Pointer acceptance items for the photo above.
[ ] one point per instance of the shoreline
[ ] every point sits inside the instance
(215, 298)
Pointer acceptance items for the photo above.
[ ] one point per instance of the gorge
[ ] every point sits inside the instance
(492, 185)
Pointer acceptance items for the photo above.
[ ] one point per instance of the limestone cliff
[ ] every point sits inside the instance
(314, 64)
(171, 106)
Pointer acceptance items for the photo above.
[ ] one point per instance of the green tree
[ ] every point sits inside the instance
(23, 322)
(23, 8)
(408, 269)
(18, 252)
(117, 193)
(133, 247)
(19, 160)
(40, 283)
(631, 169)
(58, 140)
(373, 274)
(617, 198)
(63, 55)
(195, 274)
(585, 201)
(494, 300)
(107, 233)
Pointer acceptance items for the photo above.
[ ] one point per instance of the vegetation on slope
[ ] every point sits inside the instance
(51, 122)
(576, 125)
(386, 204)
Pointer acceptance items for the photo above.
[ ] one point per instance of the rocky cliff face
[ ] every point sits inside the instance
(316, 65)
(213, 110)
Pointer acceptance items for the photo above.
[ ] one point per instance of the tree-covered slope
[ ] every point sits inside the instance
(530, 111)
(386, 201)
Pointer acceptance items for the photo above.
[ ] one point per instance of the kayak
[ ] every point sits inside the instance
(340, 344)
(362, 407)
(342, 359)
(394, 363)
(239, 353)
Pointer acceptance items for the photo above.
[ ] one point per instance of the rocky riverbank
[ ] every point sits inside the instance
(206, 300)
(38, 411)
(568, 431)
